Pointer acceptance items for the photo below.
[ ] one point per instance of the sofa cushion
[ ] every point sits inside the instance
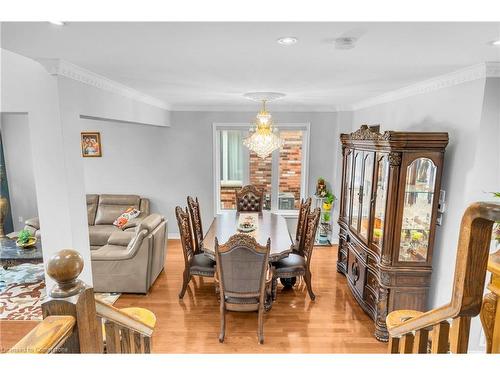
(92, 200)
(113, 205)
(33, 222)
(110, 253)
(99, 234)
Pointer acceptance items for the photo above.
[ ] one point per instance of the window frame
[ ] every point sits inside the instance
(216, 162)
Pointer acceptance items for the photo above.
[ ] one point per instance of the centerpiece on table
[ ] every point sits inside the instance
(25, 239)
(247, 222)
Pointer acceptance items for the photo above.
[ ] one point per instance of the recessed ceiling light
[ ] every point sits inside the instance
(287, 40)
(57, 23)
(496, 43)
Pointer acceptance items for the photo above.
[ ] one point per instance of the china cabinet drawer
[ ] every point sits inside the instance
(370, 299)
(356, 272)
(371, 281)
(358, 249)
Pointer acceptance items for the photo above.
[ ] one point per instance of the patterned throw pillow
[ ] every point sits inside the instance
(123, 219)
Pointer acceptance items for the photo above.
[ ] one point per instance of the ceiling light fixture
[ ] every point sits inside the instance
(345, 42)
(57, 23)
(263, 138)
(287, 40)
(495, 43)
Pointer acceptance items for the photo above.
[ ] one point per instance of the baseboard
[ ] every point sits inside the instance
(174, 236)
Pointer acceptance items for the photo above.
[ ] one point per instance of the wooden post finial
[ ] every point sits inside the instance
(64, 267)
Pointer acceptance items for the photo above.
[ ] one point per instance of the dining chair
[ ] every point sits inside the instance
(244, 276)
(194, 264)
(196, 227)
(299, 264)
(249, 199)
(304, 208)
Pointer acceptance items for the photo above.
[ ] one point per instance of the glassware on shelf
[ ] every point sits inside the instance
(417, 210)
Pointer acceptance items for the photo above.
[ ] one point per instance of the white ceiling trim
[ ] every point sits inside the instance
(66, 69)
(254, 108)
(471, 73)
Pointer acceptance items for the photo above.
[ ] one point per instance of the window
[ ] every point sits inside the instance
(282, 175)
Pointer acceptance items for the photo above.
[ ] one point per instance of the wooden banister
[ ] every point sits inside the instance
(73, 317)
(114, 315)
(46, 337)
(490, 311)
(468, 285)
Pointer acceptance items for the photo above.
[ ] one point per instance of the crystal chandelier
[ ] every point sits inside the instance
(263, 139)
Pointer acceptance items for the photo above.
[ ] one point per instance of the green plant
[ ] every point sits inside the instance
(24, 236)
(326, 217)
(329, 198)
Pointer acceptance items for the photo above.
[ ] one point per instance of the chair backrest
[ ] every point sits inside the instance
(195, 216)
(249, 199)
(305, 206)
(185, 233)
(241, 266)
(310, 234)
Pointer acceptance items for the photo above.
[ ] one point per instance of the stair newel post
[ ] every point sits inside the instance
(70, 296)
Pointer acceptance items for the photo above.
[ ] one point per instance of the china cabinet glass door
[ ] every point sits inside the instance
(366, 192)
(347, 181)
(380, 201)
(417, 210)
(356, 190)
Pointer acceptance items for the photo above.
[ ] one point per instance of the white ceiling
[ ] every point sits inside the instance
(210, 65)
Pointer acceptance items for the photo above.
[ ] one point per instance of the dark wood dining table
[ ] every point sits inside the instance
(269, 225)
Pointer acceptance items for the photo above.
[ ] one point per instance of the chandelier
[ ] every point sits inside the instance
(263, 138)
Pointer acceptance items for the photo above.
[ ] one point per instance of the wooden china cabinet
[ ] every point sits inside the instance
(388, 214)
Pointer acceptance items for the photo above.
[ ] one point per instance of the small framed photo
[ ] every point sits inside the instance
(91, 144)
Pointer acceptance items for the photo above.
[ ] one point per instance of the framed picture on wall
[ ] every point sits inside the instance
(91, 144)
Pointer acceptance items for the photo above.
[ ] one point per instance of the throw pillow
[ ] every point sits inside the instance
(130, 213)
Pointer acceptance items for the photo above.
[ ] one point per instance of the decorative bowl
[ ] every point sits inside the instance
(246, 227)
(31, 242)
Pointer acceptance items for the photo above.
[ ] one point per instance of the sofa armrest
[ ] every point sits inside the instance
(34, 222)
(120, 238)
(150, 223)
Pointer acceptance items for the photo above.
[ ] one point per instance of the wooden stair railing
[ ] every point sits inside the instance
(448, 326)
(73, 318)
(490, 311)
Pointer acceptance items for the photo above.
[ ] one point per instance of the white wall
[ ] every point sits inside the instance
(469, 112)
(18, 163)
(167, 164)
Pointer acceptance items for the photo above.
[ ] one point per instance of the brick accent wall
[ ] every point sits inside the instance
(290, 167)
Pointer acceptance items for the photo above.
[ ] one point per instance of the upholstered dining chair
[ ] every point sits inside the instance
(304, 208)
(249, 199)
(298, 264)
(243, 275)
(194, 264)
(196, 227)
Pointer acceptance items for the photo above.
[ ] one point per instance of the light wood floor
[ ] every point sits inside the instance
(334, 323)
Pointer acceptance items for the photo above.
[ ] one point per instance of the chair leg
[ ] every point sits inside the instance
(185, 281)
(308, 280)
(222, 322)
(274, 288)
(260, 331)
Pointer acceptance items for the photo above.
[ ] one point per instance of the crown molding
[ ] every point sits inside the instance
(66, 69)
(273, 108)
(471, 73)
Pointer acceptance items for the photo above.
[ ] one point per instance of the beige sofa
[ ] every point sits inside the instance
(126, 260)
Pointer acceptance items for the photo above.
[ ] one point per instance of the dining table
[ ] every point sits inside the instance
(268, 225)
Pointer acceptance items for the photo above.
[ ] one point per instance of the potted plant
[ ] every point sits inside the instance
(327, 204)
(25, 239)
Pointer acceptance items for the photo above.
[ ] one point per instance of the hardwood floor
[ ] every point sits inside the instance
(334, 323)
